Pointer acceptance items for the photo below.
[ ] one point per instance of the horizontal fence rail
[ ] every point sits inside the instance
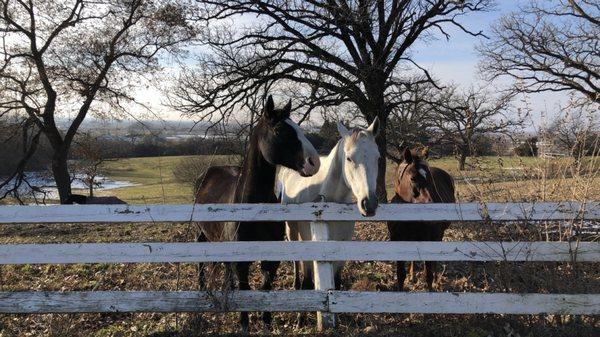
(160, 301)
(157, 252)
(470, 212)
(303, 300)
(323, 251)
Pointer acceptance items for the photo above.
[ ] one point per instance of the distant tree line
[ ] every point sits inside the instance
(153, 146)
(92, 149)
(528, 148)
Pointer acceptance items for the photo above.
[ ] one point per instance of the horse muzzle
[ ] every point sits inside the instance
(311, 165)
(368, 206)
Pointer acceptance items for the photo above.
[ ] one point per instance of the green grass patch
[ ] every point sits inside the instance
(153, 176)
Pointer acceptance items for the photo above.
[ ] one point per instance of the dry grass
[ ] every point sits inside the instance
(533, 180)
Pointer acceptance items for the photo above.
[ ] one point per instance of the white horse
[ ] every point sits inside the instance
(348, 173)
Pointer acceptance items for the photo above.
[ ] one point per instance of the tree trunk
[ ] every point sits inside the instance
(462, 160)
(60, 171)
(375, 106)
(92, 186)
(381, 169)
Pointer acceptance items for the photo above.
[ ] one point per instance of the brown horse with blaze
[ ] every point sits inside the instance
(417, 182)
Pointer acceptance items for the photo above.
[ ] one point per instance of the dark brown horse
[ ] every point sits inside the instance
(275, 140)
(417, 182)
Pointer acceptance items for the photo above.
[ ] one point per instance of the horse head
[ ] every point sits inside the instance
(414, 181)
(281, 142)
(360, 163)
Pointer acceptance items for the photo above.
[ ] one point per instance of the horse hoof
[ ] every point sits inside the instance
(266, 329)
(299, 322)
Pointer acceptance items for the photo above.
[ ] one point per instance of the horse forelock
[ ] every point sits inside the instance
(421, 166)
(357, 135)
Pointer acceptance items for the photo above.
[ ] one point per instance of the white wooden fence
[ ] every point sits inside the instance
(323, 299)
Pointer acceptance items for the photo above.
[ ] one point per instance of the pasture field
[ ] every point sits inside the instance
(489, 178)
(486, 179)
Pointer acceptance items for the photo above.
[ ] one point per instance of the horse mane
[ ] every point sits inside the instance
(356, 134)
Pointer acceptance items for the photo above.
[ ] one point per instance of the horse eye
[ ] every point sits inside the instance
(348, 159)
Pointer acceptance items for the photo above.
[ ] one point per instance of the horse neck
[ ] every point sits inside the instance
(333, 185)
(257, 178)
(403, 188)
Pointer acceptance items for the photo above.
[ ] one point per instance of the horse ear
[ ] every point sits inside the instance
(374, 127)
(287, 109)
(270, 108)
(425, 153)
(342, 129)
(408, 158)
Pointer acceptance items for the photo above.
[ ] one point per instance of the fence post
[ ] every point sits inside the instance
(323, 272)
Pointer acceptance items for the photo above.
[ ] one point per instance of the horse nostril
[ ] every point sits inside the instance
(311, 162)
(363, 203)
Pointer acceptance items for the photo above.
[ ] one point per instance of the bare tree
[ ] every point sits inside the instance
(90, 154)
(548, 46)
(575, 130)
(334, 52)
(411, 123)
(462, 117)
(59, 57)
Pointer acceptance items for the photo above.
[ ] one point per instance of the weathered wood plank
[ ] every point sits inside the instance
(300, 212)
(160, 301)
(463, 303)
(335, 302)
(323, 274)
(157, 252)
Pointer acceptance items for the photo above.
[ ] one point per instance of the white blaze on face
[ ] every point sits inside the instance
(361, 166)
(311, 157)
(423, 173)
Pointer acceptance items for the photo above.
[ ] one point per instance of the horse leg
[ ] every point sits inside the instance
(337, 276)
(430, 269)
(306, 283)
(243, 270)
(401, 274)
(230, 274)
(309, 280)
(201, 276)
(411, 272)
(297, 278)
(269, 271)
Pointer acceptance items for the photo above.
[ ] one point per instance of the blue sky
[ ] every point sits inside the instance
(456, 60)
(460, 47)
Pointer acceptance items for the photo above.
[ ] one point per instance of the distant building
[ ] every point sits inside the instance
(548, 146)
